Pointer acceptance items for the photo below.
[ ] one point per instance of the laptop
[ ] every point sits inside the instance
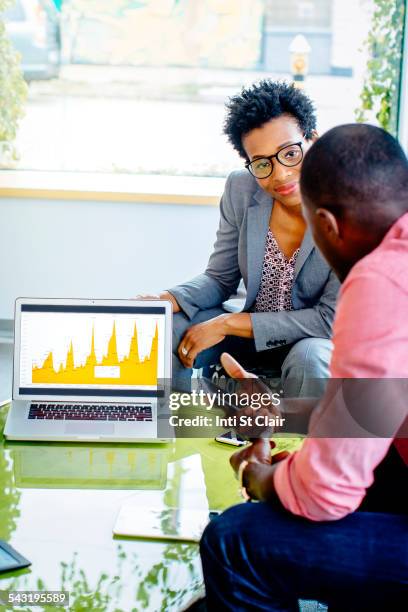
(89, 370)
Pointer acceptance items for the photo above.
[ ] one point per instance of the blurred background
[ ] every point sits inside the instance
(139, 86)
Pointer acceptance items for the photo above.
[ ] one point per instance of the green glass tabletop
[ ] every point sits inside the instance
(59, 502)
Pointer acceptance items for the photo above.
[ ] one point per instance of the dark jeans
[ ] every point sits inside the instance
(260, 557)
(257, 556)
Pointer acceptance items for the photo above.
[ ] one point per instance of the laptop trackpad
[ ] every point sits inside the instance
(94, 428)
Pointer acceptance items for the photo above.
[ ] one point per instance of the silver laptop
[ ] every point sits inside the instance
(89, 370)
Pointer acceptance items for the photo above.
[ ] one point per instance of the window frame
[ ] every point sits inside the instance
(403, 97)
(104, 187)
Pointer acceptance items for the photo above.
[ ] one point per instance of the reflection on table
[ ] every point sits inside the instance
(83, 467)
(59, 503)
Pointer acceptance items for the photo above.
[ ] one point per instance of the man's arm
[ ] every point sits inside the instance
(328, 477)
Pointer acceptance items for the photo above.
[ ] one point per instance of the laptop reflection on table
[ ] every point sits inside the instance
(82, 467)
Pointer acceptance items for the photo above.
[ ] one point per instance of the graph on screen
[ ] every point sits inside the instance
(129, 369)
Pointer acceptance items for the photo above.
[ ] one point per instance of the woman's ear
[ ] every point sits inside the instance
(315, 136)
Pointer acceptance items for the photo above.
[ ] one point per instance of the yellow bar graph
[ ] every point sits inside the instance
(130, 370)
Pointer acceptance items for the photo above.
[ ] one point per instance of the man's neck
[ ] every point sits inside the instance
(361, 249)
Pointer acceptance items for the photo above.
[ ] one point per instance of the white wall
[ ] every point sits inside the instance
(99, 249)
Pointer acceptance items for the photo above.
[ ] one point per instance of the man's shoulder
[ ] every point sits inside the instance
(370, 328)
(386, 266)
(388, 262)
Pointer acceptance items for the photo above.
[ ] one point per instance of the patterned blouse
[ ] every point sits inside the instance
(275, 291)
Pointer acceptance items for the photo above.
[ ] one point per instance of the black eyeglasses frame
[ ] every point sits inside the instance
(271, 157)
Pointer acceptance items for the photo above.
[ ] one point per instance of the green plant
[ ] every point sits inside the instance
(13, 92)
(380, 92)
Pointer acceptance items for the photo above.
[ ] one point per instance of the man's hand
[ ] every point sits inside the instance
(233, 368)
(165, 295)
(258, 452)
(248, 385)
(200, 337)
(258, 474)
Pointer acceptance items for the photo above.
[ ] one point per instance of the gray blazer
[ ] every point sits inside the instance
(245, 210)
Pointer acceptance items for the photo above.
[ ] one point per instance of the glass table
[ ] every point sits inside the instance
(59, 502)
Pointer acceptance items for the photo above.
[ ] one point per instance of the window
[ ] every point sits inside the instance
(138, 86)
(15, 12)
(298, 13)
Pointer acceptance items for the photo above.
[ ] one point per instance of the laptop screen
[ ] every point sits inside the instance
(91, 350)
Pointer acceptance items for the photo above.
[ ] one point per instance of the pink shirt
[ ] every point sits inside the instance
(328, 477)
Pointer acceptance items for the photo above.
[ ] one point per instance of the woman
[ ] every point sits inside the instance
(286, 321)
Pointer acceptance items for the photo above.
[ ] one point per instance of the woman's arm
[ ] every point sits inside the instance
(238, 324)
(222, 276)
(272, 329)
(209, 333)
(269, 329)
(164, 295)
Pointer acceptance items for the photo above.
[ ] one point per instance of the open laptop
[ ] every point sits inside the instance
(89, 370)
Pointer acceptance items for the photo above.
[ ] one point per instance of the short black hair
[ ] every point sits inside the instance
(358, 170)
(260, 103)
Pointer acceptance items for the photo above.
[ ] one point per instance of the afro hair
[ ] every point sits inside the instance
(263, 101)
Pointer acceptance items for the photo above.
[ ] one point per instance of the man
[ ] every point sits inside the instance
(323, 530)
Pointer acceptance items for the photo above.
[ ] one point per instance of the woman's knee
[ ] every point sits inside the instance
(311, 356)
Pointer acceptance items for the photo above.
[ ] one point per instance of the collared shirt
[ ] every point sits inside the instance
(328, 477)
(275, 291)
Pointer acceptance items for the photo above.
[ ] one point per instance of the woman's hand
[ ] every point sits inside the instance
(200, 337)
(165, 295)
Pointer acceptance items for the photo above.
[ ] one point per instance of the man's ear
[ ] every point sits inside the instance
(328, 224)
(315, 136)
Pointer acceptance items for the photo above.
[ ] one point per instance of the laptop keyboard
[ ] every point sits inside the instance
(91, 412)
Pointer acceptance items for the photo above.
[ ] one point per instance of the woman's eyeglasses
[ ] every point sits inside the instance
(262, 167)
